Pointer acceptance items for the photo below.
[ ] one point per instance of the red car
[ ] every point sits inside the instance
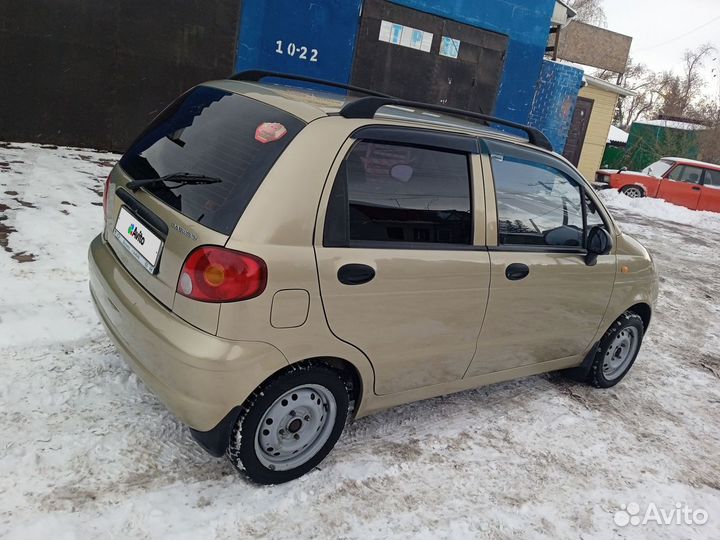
(685, 182)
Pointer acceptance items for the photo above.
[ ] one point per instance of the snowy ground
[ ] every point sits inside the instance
(86, 452)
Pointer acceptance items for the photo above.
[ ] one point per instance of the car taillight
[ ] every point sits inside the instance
(216, 274)
(106, 195)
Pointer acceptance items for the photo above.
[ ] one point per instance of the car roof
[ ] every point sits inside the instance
(686, 161)
(309, 104)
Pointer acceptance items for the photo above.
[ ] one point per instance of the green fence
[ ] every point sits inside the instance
(646, 144)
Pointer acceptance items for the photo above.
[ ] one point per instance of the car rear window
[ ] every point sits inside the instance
(213, 133)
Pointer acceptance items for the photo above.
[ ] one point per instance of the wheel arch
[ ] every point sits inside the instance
(217, 440)
(635, 185)
(644, 311)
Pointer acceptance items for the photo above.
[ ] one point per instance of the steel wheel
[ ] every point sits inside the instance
(633, 192)
(295, 427)
(620, 353)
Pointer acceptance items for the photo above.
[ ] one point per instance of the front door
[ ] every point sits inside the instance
(710, 194)
(682, 186)
(400, 276)
(578, 130)
(545, 302)
(418, 56)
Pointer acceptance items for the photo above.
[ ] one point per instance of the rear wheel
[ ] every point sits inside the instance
(634, 192)
(617, 351)
(290, 424)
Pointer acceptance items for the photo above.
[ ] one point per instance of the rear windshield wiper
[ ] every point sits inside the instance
(181, 179)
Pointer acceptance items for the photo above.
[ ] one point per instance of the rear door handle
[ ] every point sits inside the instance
(517, 271)
(355, 274)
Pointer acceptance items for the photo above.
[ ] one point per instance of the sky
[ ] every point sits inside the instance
(663, 29)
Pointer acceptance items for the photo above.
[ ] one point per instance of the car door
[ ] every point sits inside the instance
(403, 270)
(546, 303)
(681, 186)
(710, 193)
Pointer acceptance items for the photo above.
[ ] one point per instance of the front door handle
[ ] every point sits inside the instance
(355, 274)
(517, 271)
(696, 188)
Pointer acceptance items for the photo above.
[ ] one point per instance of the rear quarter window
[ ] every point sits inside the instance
(210, 132)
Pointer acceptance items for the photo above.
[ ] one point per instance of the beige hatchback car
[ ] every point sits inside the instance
(275, 261)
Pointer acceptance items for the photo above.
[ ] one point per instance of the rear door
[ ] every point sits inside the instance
(545, 303)
(682, 186)
(225, 139)
(404, 273)
(710, 194)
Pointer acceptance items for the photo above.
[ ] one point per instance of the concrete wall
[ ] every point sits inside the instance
(527, 22)
(555, 99)
(601, 117)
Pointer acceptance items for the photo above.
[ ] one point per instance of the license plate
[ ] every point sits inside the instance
(138, 239)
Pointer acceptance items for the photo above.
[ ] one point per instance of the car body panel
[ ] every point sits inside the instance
(197, 375)
(551, 314)
(709, 199)
(651, 184)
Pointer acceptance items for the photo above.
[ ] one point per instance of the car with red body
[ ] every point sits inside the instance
(685, 182)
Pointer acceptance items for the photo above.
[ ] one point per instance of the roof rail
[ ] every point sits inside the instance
(256, 75)
(367, 108)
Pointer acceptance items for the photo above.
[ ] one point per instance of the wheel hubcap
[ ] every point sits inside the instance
(633, 193)
(295, 427)
(620, 353)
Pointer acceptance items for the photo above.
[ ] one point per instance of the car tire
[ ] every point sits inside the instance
(288, 426)
(634, 192)
(617, 350)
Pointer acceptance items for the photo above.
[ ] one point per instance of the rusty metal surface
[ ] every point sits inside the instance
(593, 46)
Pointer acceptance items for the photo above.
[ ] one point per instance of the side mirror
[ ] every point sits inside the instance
(623, 169)
(598, 243)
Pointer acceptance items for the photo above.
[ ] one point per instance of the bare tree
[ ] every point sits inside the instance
(709, 138)
(649, 88)
(682, 93)
(589, 11)
(662, 92)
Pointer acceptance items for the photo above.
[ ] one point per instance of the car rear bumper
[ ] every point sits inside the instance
(201, 378)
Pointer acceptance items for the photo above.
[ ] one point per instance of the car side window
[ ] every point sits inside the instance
(686, 173)
(712, 178)
(537, 204)
(402, 194)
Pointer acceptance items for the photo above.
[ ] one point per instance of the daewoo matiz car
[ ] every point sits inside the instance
(275, 261)
(685, 182)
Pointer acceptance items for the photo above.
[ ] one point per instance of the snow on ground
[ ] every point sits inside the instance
(87, 452)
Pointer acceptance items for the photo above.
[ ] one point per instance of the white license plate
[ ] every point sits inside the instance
(138, 239)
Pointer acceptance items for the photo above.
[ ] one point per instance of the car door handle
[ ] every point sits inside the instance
(355, 274)
(517, 271)
(696, 188)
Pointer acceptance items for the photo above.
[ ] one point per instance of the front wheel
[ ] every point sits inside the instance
(633, 192)
(617, 351)
(290, 424)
